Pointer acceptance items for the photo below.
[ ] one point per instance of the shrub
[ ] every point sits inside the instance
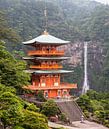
(50, 108)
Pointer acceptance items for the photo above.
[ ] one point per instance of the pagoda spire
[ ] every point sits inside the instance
(46, 18)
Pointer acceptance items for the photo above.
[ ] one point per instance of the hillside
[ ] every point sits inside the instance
(71, 20)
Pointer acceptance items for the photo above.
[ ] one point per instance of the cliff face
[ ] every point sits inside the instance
(96, 60)
(74, 51)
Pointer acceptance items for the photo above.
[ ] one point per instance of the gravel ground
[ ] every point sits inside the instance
(79, 125)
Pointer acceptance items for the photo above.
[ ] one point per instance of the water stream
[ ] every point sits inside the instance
(85, 87)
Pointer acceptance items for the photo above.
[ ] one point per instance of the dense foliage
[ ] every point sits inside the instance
(50, 108)
(11, 70)
(16, 113)
(95, 105)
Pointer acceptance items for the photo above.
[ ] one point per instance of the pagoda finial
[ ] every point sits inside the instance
(45, 32)
(46, 19)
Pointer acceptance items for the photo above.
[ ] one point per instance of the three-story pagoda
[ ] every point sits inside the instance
(45, 66)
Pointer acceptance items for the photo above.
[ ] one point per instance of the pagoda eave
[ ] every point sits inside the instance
(48, 71)
(42, 43)
(45, 58)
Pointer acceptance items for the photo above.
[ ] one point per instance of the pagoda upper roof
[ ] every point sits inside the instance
(48, 71)
(46, 38)
(45, 58)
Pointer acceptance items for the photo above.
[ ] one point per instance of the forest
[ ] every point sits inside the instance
(21, 20)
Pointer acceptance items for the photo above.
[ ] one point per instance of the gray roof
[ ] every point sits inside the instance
(46, 39)
(28, 58)
(48, 71)
(46, 58)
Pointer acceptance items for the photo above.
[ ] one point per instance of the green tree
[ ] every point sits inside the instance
(33, 120)
(95, 106)
(84, 103)
(11, 70)
(17, 113)
(50, 108)
(32, 107)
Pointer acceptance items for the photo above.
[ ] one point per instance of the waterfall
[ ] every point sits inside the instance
(85, 87)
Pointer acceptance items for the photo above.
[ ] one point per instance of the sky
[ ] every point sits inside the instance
(103, 1)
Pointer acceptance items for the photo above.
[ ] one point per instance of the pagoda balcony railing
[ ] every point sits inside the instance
(61, 86)
(46, 66)
(68, 85)
(43, 53)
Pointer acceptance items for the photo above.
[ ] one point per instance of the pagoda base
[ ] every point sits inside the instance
(61, 91)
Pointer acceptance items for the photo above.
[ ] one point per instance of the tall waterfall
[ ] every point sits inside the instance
(85, 84)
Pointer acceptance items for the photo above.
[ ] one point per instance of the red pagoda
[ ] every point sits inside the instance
(46, 69)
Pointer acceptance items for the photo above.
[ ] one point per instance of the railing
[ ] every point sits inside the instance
(46, 67)
(60, 86)
(69, 85)
(37, 52)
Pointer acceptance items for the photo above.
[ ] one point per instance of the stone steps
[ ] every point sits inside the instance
(71, 110)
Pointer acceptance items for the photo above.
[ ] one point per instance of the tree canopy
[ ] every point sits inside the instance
(95, 106)
(17, 113)
(11, 70)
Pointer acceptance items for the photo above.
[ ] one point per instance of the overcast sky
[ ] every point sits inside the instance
(103, 1)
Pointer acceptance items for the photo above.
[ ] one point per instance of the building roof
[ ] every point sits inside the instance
(48, 71)
(46, 58)
(46, 39)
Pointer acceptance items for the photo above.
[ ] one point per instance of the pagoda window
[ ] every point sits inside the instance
(53, 48)
(43, 81)
(43, 63)
(43, 48)
(54, 62)
(47, 49)
(50, 63)
(56, 81)
(47, 63)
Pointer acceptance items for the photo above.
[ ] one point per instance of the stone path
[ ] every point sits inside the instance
(79, 125)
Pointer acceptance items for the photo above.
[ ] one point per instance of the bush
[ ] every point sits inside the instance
(50, 108)
(32, 107)
(18, 127)
(62, 117)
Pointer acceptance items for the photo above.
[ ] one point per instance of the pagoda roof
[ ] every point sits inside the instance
(46, 58)
(48, 71)
(46, 39)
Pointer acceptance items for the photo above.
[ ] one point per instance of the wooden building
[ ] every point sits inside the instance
(45, 66)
